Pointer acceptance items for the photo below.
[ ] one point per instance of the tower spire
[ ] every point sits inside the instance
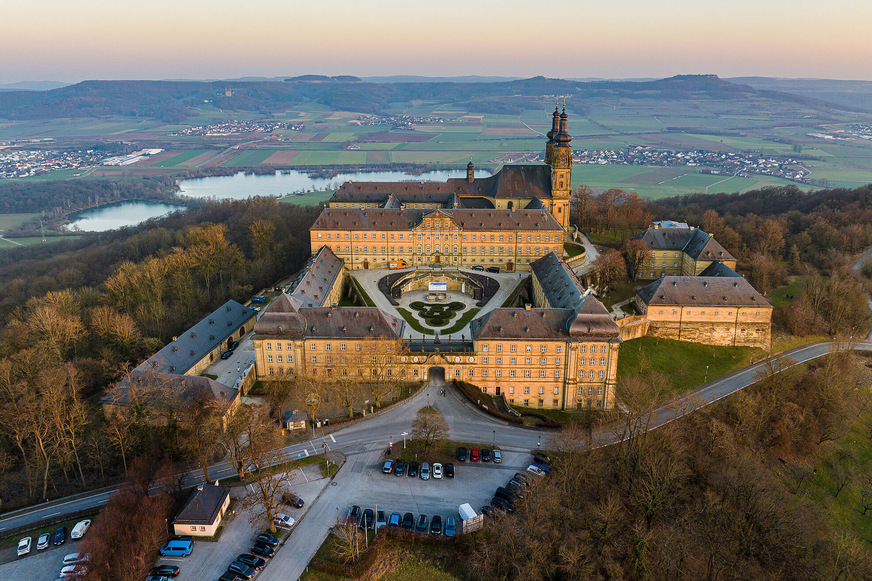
(555, 128)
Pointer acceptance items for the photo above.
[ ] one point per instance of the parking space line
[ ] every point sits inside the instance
(303, 473)
(306, 451)
(332, 439)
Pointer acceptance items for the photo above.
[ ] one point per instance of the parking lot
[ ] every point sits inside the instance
(473, 483)
(42, 565)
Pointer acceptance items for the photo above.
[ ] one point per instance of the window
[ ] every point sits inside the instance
(602, 374)
(484, 389)
(499, 372)
(593, 349)
(270, 370)
(513, 348)
(602, 360)
(556, 375)
(526, 373)
(544, 349)
(528, 361)
(357, 347)
(526, 389)
(543, 361)
(560, 348)
(457, 373)
(513, 361)
(472, 372)
(342, 346)
(484, 360)
(593, 361)
(484, 348)
(582, 361)
(279, 358)
(584, 348)
(541, 391)
(511, 373)
(590, 374)
(311, 347)
(500, 348)
(542, 373)
(327, 346)
(600, 391)
(314, 359)
(557, 361)
(556, 391)
(511, 389)
(484, 372)
(269, 346)
(269, 358)
(499, 360)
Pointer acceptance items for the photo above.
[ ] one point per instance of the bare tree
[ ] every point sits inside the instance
(609, 268)
(265, 490)
(350, 542)
(429, 426)
(635, 251)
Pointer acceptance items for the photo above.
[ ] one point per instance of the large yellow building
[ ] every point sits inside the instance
(680, 250)
(506, 220)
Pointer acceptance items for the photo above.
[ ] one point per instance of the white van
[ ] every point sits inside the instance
(80, 529)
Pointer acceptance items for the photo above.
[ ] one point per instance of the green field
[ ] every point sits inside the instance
(10, 242)
(8, 221)
(308, 198)
(248, 158)
(181, 158)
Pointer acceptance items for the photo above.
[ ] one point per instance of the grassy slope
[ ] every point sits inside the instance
(684, 363)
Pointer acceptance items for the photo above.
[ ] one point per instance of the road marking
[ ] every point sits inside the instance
(306, 451)
(53, 514)
(303, 473)
(332, 439)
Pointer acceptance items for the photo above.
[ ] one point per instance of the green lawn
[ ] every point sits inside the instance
(309, 198)
(181, 158)
(572, 250)
(687, 365)
(249, 158)
(621, 292)
(34, 240)
(417, 326)
(8, 221)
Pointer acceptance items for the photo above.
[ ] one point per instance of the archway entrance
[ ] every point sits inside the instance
(229, 342)
(510, 266)
(436, 375)
(437, 259)
(365, 264)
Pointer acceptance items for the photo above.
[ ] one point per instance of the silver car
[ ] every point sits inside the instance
(425, 471)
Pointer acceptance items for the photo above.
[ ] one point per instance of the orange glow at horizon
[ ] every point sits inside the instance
(46, 39)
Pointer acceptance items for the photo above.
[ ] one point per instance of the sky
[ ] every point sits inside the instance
(74, 40)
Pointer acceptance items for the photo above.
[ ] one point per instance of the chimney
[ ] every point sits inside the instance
(527, 306)
(334, 306)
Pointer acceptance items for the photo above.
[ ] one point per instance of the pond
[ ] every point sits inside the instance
(241, 185)
(114, 216)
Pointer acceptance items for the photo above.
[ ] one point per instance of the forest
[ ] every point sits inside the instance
(77, 316)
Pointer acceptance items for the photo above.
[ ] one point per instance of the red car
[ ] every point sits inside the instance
(473, 455)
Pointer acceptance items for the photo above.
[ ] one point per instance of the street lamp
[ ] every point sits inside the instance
(706, 374)
(404, 434)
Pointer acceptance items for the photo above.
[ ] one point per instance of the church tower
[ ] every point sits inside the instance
(555, 127)
(561, 169)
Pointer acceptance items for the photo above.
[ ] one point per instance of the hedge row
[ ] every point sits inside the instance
(475, 395)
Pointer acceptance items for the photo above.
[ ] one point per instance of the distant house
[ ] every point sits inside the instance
(679, 250)
(202, 514)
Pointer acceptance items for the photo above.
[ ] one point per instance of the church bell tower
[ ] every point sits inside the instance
(560, 160)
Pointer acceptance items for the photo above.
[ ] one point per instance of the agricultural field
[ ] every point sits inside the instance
(8, 221)
(336, 138)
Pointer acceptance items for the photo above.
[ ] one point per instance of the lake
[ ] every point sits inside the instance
(113, 216)
(241, 186)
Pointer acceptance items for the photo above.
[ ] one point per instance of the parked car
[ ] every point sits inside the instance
(367, 520)
(542, 466)
(485, 455)
(450, 527)
(493, 269)
(227, 355)
(177, 548)
(478, 267)
(540, 457)
(255, 563)
(75, 558)
(408, 521)
(474, 455)
(461, 454)
(502, 504)
(60, 535)
(157, 578)
(258, 299)
(269, 539)
(229, 576)
(293, 499)
(449, 471)
(241, 569)
(43, 541)
(498, 457)
(522, 476)
(413, 469)
(380, 519)
(533, 469)
(487, 510)
(354, 514)
(284, 521)
(395, 520)
(436, 525)
(24, 546)
(263, 550)
(425, 471)
(388, 466)
(166, 570)
(80, 529)
(234, 345)
(400, 467)
(421, 527)
(505, 494)
(437, 470)
(73, 572)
